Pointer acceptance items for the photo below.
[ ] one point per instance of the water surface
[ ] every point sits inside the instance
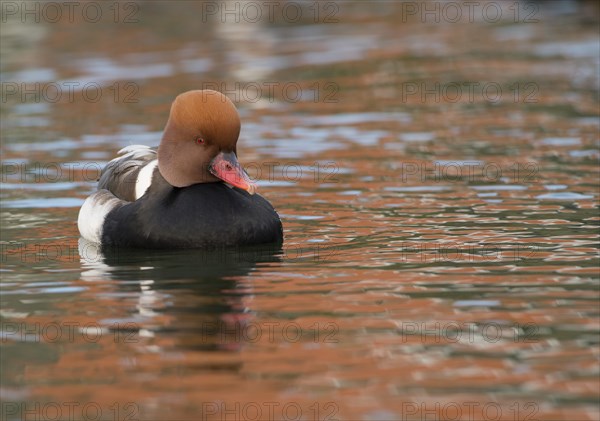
(438, 186)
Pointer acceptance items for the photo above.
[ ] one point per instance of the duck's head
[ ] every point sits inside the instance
(199, 142)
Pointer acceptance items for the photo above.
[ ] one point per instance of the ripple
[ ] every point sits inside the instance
(476, 303)
(564, 196)
(56, 202)
(555, 186)
(500, 187)
(417, 188)
(587, 153)
(581, 49)
(357, 118)
(417, 137)
(302, 217)
(62, 290)
(561, 141)
(43, 186)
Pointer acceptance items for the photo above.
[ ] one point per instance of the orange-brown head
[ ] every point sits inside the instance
(199, 142)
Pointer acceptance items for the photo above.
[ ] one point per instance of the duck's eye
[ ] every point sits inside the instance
(199, 141)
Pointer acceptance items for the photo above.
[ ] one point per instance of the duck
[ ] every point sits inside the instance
(190, 192)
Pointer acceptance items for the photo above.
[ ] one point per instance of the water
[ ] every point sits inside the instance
(438, 185)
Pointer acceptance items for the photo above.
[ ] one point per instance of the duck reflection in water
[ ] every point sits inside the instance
(195, 299)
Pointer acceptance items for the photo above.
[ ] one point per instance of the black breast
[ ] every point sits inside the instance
(205, 215)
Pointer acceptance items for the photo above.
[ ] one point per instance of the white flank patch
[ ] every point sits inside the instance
(93, 214)
(144, 178)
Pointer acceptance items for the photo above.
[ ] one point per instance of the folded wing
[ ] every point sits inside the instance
(129, 175)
